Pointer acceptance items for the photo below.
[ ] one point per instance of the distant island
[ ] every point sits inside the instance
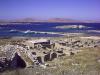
(51, 20)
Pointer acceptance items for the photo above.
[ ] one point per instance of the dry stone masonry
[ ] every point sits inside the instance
(36, 52)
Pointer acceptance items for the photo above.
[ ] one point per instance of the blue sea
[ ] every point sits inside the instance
(27, 30)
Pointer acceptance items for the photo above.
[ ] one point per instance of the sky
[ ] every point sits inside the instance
(73, 9)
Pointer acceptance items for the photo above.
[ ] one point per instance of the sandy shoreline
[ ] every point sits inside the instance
(91, 37)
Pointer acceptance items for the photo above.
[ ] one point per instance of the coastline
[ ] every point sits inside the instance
(16, 23)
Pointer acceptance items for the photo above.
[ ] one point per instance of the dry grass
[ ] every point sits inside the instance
(83, 63)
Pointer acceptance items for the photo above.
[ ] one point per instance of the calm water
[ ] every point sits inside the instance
(19, 29)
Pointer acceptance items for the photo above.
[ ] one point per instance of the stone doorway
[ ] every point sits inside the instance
(17, 62)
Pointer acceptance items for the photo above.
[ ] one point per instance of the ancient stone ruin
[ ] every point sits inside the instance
(37, 52)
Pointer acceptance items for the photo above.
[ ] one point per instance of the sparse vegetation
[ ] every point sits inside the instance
(83, 63)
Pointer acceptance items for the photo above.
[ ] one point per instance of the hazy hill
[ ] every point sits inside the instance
(63, 20)
(50, 20)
